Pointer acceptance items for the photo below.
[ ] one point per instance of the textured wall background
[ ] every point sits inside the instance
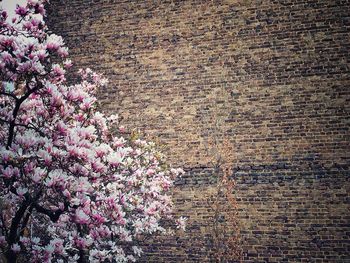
(275, 74)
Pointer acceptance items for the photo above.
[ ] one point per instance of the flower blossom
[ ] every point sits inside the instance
(53, 42)
(88, 190)
(81, 217)
(16, 248)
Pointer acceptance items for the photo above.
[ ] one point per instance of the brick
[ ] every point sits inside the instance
(274, 74)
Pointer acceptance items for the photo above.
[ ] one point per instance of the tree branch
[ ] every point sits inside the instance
(12, 237)
(26, 126)
(26, 219)
(4, 228)
(54, 216)
(8, 95)
(16, 109)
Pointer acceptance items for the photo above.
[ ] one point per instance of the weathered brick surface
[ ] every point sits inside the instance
(276, 76)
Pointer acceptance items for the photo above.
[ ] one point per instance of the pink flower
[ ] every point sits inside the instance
(102, 150)
(73, 150)
(53, 42)
(6, 155)
(81, 217)
(25, 67)
(68, 63)
(27, 25)
(29, 167)
(150, 172)
(115, 158)
(62, 52)
(41, 54)
(8, 172)
(24, 240)
(58, 245)
(98, 218)
(98, 167)
(67, 194)
(7, 58)
(87, 103)
(21, 10)
(7, 41)
(80, 243)
(151, 210)
(44, 155)
(181, 223)
(16, 248)
(38, 175)
(21, 191)
(35, 22)
(122, 129)
(3, 15)
(57, 70)
(55, 178)
(2, 241)
(61, 128)
(39, 9)
(121, 221)
(118, 142)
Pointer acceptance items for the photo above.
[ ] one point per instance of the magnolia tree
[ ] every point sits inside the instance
(70, 191)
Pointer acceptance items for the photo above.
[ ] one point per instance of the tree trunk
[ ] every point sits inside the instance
(82, 257)
(11, 256)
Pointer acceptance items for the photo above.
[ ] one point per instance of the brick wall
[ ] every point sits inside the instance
(270, 76)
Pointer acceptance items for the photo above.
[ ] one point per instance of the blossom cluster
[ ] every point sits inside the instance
(70, 190)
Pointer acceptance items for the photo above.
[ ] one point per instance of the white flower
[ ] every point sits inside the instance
(81, 217)
(39, 173)
(53, 42)
(137, 251)
(16, 248)
(181, 223)
(115, 158)
(21, 191)
(49, 249)
(36, 240)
